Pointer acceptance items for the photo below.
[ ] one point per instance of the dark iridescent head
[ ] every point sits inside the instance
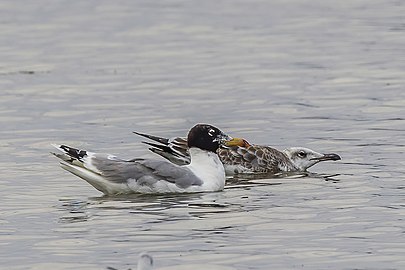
(206, 137)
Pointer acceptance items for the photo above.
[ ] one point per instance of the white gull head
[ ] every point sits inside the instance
(303, 158)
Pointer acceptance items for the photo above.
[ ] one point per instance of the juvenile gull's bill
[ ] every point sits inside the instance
(239, 156)
(111, 175)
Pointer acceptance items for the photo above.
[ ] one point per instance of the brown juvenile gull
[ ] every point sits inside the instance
(239, 156)
(112, 175)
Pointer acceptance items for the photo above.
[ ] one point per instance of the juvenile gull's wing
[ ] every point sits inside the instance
(255, 158)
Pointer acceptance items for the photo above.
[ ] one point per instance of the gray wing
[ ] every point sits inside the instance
(146, 172)
(257, 158)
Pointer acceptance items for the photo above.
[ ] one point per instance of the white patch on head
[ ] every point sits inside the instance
(211, 132)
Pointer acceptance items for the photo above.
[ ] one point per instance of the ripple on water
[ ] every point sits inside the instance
(89, 74)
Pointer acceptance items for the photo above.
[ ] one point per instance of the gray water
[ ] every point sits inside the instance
(328, 75)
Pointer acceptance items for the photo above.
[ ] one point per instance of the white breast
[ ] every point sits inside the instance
(208, 167)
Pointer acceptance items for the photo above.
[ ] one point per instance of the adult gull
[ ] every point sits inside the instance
(112, 175)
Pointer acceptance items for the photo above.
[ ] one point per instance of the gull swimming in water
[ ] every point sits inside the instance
(239, 156)
(111, 175)
(145, 262)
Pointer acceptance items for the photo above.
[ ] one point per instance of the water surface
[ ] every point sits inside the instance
(320, 74)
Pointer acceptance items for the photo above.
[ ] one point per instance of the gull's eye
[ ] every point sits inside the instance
(211, 132)
(302, 154)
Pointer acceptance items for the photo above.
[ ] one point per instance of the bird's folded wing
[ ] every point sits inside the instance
(255, 157)
(145, 172)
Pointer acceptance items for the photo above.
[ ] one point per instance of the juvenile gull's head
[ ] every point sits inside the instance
(303, 158)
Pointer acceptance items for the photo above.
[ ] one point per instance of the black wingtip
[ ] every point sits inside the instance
(73, 152)
(161, 140)
(159, 146)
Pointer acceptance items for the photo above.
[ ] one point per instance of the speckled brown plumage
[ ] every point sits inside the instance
(255, 158)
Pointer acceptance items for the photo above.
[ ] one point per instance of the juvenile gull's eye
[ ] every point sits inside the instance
(302, 154)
